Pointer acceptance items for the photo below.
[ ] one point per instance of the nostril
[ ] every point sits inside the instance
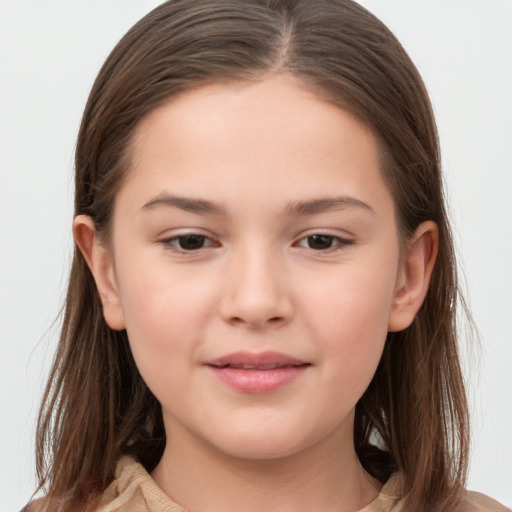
(252, 322)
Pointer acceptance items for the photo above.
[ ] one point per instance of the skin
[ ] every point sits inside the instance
(258, 282)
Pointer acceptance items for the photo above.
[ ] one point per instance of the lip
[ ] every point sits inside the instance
(262, 372)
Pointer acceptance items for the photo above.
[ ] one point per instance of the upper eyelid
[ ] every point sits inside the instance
(341, 238)
(171, 234)
(335, 233)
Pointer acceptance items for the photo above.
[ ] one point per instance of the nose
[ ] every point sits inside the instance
(256, 291)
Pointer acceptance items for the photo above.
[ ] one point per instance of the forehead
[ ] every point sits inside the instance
(235, 140)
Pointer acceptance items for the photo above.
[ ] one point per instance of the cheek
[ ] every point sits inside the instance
(166, 311)
(349, 316)
(356, 300)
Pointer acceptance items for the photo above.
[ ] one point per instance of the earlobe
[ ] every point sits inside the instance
(100, 262)
(412, 285)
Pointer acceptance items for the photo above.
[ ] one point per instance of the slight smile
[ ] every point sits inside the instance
(249, 372)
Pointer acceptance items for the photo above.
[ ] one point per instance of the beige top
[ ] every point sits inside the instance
(133, 490)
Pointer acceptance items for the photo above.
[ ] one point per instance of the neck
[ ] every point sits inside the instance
(200, 478)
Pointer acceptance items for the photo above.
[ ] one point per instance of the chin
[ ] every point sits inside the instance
(263, 443)
(250, 450)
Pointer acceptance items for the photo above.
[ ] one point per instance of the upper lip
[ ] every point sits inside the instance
(261, 361)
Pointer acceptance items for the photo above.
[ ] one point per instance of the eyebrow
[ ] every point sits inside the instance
(315, 206)
(187, 204)
(298, 208)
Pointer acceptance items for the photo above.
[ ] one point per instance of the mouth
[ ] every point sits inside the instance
(261, 361)
(257, 373)
(262, 367)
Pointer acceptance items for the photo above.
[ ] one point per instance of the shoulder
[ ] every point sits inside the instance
(477, 502)
(127, 492)
(389, 500)
(34, 506)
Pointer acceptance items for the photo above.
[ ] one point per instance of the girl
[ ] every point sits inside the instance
(261, 309)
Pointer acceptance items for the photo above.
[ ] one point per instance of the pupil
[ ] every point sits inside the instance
(191, 242)
(320, 241)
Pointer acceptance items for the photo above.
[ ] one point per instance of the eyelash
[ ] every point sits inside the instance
(173, 243)
(337, 242)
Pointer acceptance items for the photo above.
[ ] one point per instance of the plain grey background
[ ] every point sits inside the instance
(50, 53)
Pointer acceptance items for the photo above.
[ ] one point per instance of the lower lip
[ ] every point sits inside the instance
(258, 381)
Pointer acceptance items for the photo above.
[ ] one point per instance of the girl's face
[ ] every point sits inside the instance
(254, 262)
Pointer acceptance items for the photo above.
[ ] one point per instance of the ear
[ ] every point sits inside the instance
(101, 264)
(414, 276)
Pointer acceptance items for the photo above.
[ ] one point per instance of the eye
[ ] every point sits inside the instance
(188, 243)
(320, 242)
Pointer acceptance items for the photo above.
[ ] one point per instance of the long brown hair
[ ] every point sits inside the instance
(413, 418)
